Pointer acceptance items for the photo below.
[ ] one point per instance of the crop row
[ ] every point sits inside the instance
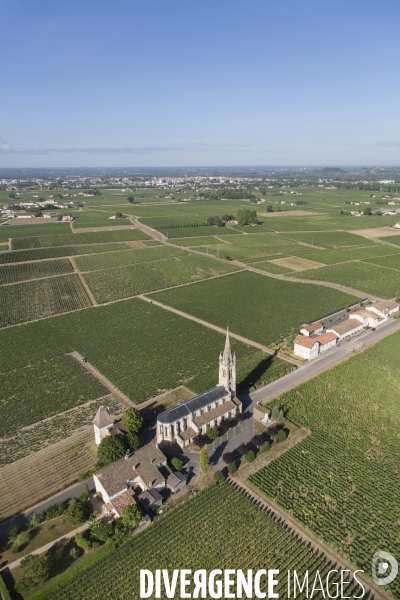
(195, 536)
(128, 257)
(71, 239)
(42, 389)
(277, 308)
(127, 281)
(31, 300)
(343, 481)
(43, 253)
(34, 270)
(143, 349)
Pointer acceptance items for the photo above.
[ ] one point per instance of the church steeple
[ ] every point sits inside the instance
(227, 367)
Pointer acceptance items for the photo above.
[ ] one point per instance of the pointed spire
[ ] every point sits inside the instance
(227, 351)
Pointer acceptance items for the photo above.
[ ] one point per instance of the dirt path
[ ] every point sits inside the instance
(304, 534)
(103, 381)
(85, 285)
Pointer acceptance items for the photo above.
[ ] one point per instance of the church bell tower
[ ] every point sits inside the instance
(227, 368)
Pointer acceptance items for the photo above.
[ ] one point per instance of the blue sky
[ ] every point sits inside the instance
(184, 83)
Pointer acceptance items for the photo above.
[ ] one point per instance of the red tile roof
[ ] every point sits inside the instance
(305, 341)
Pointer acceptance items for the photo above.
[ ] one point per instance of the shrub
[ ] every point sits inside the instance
(36, 569)
(121, 531)
(232, 468)
(101, 530)
(243, 449)
(83, 542)
(266, 446)
(23, 538)
(85, 494)
(12, 532)
(133, 441)
(110, 449)
(176, 463)
(219, 477)
(77, 512)
(250, 456)
(212, 432)
(280, 436)
(204, 460)
(74, 553)
(55, 510)
(228, 457)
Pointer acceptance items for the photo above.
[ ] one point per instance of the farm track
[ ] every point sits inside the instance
(103, 381)
(85, 285)
(306, 536)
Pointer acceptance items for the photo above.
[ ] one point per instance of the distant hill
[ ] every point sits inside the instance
(330, 171)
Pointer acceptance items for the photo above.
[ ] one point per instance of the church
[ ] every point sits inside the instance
(180, 424)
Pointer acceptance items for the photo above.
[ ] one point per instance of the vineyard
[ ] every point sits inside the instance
(18, 230)
(123, 282)
(367, 278)
(195, 536)
(34, 270)
(343, 482)
(71, 239)
(143, 349)
(39, 254)
(28, 301)
(44, 433)
(277, 307)
(42, 389)
(128, 257)
(391, 262)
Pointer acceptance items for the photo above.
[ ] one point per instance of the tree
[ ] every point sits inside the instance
(367, 211)
(36, 569)
(212, 432)
(225, 424)
(239, 417)
(281, 418)
(13, 532)
(11, 195)
(101, 530)
(245, 216)
(85, 494)
(131, 515)
(250, 456)
(200, 440)
(110, 449)
(257, 440)
(228, 457)
(131, 199)
(133, 420)
(82, 542)
(121, 531)
(176, 463)
(118, 215)
(77, 512)
(219, 477)
(232, 468)
(133, 441)
(243, 448)
(265, 447)
(204, 460)
(23, 538)
(269, 208)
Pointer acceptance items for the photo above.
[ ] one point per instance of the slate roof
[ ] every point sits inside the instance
(209, 415)
(150, 497)
(103, 418)
(187, 407)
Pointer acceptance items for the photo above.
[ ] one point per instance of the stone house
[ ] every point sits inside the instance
(105, 424)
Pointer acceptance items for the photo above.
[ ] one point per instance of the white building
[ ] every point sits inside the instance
(314, 328)
(384, 309)
(346, 328)
(184, 422)
(105, 424)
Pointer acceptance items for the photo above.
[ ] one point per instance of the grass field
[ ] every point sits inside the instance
(31, 300)
(343, 481)
(361, 276)
(34, 270)
(144, 350)
(255, 306)
(124, 282)
(259, 539)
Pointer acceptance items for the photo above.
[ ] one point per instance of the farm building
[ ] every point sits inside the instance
(184, 422)
(315, 328)
(385, 308)
(346, 328)
(309, 347)
(146, 469)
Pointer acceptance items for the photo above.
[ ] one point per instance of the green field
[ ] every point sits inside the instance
(331, 257)
(41, 389)
(34, 270)
(392, 239)
(367, 278)
(259, 539)
(46, 228)
(71, 239)
(31, 300)
(43, 253)
(124, 282)
(343, 481)
(390, 262)
(258, 307)
(128, 257)
(270, 267)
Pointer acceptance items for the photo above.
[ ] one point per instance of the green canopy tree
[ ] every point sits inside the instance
(131, 515)
(133, 420)
(204, 460)
(110, 449)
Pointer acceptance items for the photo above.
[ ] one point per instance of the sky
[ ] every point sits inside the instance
(212, 83)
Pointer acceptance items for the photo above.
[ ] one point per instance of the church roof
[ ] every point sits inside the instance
(189, 406)
(103, 418)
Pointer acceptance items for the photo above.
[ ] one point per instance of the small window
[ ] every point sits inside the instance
(209, 407)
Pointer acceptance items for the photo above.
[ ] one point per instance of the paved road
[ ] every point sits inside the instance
(72, 492)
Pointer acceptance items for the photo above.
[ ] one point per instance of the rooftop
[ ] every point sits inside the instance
(313, 327)
(209, 415)
(345, 326)
(384, 305)
(103, 418)
(189, 406)
(306, 342)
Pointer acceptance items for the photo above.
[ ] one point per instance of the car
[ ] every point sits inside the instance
(373, 329)
(187, 472)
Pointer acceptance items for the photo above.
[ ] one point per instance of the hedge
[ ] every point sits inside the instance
(4, 593)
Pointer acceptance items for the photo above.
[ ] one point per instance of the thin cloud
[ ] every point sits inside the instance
(218, 146)
(4, 146)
